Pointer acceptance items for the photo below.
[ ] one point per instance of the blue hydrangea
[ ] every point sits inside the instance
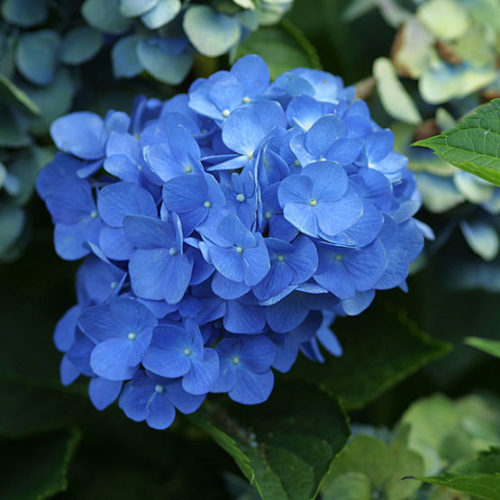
(223, 231)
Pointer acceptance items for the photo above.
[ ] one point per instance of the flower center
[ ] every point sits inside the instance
(338, 257)
(281, 258)
(94, 214)
(172, 251)
(139, 167)
(159, 388)
(187, 351)
(188, 169)
(313, 202)
(268, 215)
(132, 336)
(226, 112)
(207, 204)
(240, 197)
(246, 99)
(239, 249)
(236, 360)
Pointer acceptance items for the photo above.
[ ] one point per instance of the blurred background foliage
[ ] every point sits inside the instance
(420, 401)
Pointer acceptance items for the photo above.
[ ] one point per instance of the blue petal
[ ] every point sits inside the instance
(156, 274)
(184, 402)
(103, 392)
(287, 314)
(244, 318)
(228, 289)
(246, 127)
(252, 72)
(124, 198)
(80, 134)
(111, 359)
(252, 388)
(161, 412)
(203, 374)
(114, 243)
(149, 232)
(64, 334)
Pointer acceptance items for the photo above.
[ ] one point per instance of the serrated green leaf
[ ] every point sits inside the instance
(474, 144)
(285, 446)
(489, 346)
(14, 94)
(479, 477)
(36, 467)
(381, 347)
(283, 47)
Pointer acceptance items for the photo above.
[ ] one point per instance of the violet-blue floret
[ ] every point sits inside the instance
(223, 231)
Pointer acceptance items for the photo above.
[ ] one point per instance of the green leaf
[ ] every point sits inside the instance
(348, 486)
(12, 128)
(211, 32)
(381, 347)
(11, 225)
(474, 145)
(479, 477)
(14, 94)
(368, 455)
(380, 464)
(285, 446)
(36, 467)
(283, 47)
(31, 396)
(485, 486)
(489, 346)
(29, 408)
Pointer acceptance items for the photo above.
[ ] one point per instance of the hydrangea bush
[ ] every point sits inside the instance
(223, 230)
(443, 65)
(52, 54)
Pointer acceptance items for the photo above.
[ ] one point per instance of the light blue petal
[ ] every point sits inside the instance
(79, 134)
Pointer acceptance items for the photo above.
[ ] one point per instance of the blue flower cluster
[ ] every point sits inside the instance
(223, 231)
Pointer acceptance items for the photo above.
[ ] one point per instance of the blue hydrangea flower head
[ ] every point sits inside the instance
(223, 231)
